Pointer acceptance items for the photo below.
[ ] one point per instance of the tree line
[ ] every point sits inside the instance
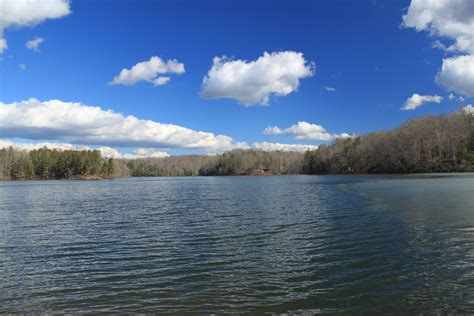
(428, 144)
(236, 162)
(46, 164)
(442, 143)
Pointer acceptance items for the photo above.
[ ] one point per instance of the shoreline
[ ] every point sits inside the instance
(99, 178)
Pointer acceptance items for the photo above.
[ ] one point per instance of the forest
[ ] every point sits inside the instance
(47, 164)
(428, 144)
(442, 143)
(236, 162)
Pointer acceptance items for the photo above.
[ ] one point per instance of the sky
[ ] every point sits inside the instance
(155, 78)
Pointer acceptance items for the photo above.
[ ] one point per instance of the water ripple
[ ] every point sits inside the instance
(270, 245)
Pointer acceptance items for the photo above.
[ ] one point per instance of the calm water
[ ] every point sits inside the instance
(309, 244)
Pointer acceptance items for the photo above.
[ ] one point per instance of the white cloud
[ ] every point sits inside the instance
(161, 81)
(346, 135)
(3, 43)
(253, 82)
(453, 97)
(149, 71)
(272, 130)
(138, 153)
(31, 146)
(417, 100)
(438, 44)
(468, 109)
(34, 44)
(107, 152)
(23, 13)
(304, 131)
(266, 146)
(453, 20)
(81, 124)
(149, 152)
(328, 89)
(457, 74)
(22, 67)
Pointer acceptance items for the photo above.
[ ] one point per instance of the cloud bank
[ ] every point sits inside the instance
(82, 124)
(150, 71)
(417, 100)
(305, 131)
(24, 13)
(140, 153)
(252, 83)
(74, 126)
(106, 152)
(266, 146)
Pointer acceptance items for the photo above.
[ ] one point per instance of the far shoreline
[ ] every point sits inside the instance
(98, 178)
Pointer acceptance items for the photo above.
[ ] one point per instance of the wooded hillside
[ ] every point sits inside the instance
(427, 144)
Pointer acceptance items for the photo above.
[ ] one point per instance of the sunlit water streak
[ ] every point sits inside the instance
(343, 244)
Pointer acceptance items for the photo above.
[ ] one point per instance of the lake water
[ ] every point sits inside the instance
(300, 244)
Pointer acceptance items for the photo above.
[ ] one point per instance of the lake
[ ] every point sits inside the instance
(281, 244)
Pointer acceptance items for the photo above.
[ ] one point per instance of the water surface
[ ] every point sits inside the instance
(309, 244)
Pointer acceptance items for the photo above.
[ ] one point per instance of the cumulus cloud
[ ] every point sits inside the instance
(138, 153)
(82, 124)
(305, 131)
(107, 152)
(34, 44)
(253, 82)
(30, 146)
(149, 71)
(266, 146)
(346, 135)
(468, 109)
(457, 74)
(445, 18)
(24, 13)
(417, 100)
(454, 21)
(150, 152)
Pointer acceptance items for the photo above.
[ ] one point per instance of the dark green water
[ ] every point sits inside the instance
(298, 244)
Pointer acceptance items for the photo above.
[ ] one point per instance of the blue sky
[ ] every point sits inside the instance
(359, 48)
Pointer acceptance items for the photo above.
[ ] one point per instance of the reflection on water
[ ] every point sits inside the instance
(244, 244)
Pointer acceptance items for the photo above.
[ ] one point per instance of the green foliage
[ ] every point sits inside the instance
(47, 163)
(466, 151)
